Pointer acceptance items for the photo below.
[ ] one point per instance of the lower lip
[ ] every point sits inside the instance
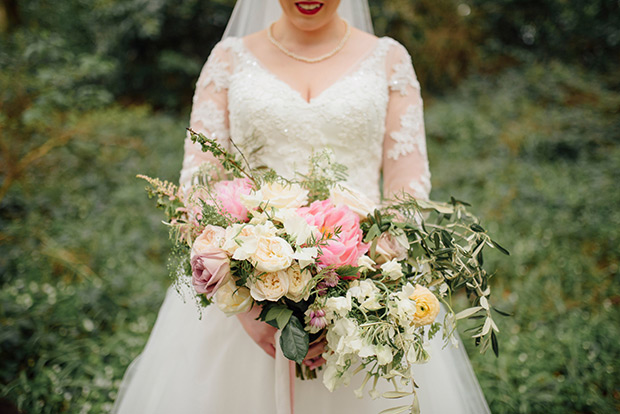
(309, 12)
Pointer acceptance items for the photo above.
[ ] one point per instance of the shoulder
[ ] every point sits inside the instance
(219, 65)
(226, 47)
(395, 50)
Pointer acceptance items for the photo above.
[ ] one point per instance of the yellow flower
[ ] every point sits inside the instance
(426, 305)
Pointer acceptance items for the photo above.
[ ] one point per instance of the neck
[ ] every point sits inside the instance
(292, 36)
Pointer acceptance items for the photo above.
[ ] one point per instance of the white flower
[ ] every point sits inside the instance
(232, 299)
(238, 235)
(276, 195)
(392, 269)
(366, 262)
(298, 288)
(258, 217)
(356, 201)
(335, 375)
(401, 307)
(272, 254)
(384, 354)
(260, 245)
(269, 286)
(421, 268)
(367, 294)
(305, 255)
(340, 305)
(296, 226)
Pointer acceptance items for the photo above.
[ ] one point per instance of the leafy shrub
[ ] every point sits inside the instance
(537, 151)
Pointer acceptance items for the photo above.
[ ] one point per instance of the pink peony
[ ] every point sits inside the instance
(228, 194)
(345, 247)
(210, 268)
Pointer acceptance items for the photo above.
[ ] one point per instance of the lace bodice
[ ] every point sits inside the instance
(371, 118)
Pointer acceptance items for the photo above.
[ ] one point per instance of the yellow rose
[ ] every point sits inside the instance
(232, 299)
(272, 254)
(298, 283)
(426, 305)
(269, 286)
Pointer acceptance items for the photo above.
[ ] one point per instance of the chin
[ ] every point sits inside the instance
(310, 14)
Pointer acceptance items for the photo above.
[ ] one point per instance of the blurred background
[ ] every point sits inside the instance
(522, 101)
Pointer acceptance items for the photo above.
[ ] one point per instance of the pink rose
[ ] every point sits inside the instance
(346, 247)
(228, 194)
(210, 269)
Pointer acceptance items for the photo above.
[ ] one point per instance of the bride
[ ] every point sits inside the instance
(309, 80)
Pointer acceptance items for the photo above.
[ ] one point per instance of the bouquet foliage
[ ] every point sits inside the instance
(326, 264)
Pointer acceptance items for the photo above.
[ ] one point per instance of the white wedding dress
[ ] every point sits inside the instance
(371, 118)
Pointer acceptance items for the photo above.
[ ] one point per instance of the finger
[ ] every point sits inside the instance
(315, 350)
(317, 363)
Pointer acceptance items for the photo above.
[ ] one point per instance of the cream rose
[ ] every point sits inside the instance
(269, 286)
(272, 254)
(211, 236)
(426, 304)
(390, 246)
(232, 299)
(356, 201)
(298, 283)
(238, 235)
(277, 195)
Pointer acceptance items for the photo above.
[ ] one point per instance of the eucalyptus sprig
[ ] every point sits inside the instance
(228, 160)
(451, 239)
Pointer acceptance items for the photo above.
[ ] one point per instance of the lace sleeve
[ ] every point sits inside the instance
(209, 111)
(405, 162)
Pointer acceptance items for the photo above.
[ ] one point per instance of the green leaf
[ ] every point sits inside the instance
(347, 271)
(454, 201)
(294, 341)
(372, 233)
(477, 228)
(501, 312)
(494, 344)
(500, 248)
(278, 316)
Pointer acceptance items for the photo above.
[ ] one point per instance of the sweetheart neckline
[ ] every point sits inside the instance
(354, 69)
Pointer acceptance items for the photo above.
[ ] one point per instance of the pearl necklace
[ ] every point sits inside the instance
(287, 52)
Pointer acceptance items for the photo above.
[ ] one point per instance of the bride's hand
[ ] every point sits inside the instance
(262, 333)
(314, 358)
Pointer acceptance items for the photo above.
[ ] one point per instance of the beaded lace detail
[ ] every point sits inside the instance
(276, 127)
(216, 72)
(213, 119)
(410, 137)
(403, 76)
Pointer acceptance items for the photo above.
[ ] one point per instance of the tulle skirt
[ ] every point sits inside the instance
(194, 365)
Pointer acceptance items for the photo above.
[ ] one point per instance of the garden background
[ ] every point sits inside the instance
(522, 101)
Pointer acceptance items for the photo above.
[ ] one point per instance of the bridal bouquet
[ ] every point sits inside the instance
(325, 263)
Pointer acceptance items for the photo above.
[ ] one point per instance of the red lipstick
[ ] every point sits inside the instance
(309, 7)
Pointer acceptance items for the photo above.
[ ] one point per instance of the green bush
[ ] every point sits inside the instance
(536, 151)
(82, 262)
